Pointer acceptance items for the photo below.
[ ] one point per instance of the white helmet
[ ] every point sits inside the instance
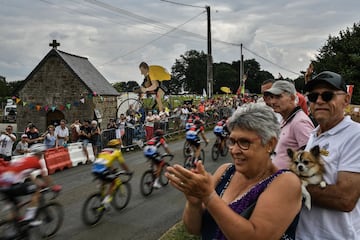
(38, 148)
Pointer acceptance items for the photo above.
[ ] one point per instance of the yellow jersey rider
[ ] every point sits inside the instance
(151, 86)
(103, 166)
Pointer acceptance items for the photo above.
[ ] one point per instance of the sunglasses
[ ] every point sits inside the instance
(242, 143)
(325, 96)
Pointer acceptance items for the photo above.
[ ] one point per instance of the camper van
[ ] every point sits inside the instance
(9, 114)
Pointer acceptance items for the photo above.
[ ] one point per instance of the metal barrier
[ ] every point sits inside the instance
(133, 136)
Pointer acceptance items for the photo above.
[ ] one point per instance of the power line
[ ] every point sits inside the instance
(151, 22)
(181, 4)
(267, 60)
(155, 39)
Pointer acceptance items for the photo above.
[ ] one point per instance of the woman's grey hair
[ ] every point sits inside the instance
(256, 117)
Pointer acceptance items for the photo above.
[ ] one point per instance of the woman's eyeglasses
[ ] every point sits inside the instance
(325, 96)
(242, 143)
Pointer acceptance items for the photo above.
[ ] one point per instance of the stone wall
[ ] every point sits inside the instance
(107, 108)
(53, 84)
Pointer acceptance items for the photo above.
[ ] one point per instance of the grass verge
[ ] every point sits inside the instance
(178, 232)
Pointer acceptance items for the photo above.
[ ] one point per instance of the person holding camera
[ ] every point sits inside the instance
(7, 140)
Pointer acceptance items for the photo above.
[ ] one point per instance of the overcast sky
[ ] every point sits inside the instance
(116, 35)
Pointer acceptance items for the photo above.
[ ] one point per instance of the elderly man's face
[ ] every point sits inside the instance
(332, 112)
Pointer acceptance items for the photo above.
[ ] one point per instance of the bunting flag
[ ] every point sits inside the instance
(62, 107)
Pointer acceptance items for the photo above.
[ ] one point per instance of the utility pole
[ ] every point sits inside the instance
(241, 67)
(209, 65)
(210, 80)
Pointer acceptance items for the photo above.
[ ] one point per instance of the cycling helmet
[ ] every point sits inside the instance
(159, 133)
(334, 79)
(38, 148)
(114, 143)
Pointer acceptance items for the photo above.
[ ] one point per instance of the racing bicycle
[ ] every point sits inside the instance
(49, 214)
(217, 149)
(189, 153)
(149, 176)
(94, 208)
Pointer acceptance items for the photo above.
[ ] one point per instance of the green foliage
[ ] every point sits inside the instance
(120, 86)
(190, 71)
(341, 54)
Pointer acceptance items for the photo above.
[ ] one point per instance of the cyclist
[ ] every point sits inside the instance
(192, 136)
(151, 151)
(104, 169)
(221, 130)
(13, 175)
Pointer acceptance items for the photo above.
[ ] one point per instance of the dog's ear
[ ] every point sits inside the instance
(290, 153)
(315, 151)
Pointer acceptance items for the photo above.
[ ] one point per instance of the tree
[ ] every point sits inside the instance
(341, 54)
(225, 76)
(255, 76)
(120, 86)
(190, 71)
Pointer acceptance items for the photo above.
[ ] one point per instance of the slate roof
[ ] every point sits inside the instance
(84, 70)
(88, 74)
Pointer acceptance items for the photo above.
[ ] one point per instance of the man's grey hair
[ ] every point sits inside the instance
(256, 117)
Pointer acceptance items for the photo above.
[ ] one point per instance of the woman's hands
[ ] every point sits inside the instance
(197, 184)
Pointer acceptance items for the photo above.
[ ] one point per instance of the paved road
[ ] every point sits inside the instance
(143, 218)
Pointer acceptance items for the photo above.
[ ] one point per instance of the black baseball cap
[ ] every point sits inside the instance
(331, 78)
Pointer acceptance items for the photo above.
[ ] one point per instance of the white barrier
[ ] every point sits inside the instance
(77, 155)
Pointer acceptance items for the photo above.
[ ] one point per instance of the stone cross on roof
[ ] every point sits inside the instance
(54, 44)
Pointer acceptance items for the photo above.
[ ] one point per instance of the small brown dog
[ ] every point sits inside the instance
(309, 166)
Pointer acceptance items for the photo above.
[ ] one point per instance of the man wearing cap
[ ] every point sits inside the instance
(7, 140)
(22, 146)
(335, 211)
(295, 125)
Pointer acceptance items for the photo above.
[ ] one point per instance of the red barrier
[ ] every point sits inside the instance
(57, 159)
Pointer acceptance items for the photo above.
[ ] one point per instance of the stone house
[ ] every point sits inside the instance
(65, 86)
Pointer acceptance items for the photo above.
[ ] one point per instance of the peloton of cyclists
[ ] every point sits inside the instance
(103, 167)
(151, 151)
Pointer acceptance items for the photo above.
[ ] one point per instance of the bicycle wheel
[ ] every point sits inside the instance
(215, 152)
(225, 150)
(93, 209)
(10, 230)
(188, 162)
(121, 196)
(187, 149)
(147, 182)
(51, 215)
(202, 156)
(163, 179)
(125, 105)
